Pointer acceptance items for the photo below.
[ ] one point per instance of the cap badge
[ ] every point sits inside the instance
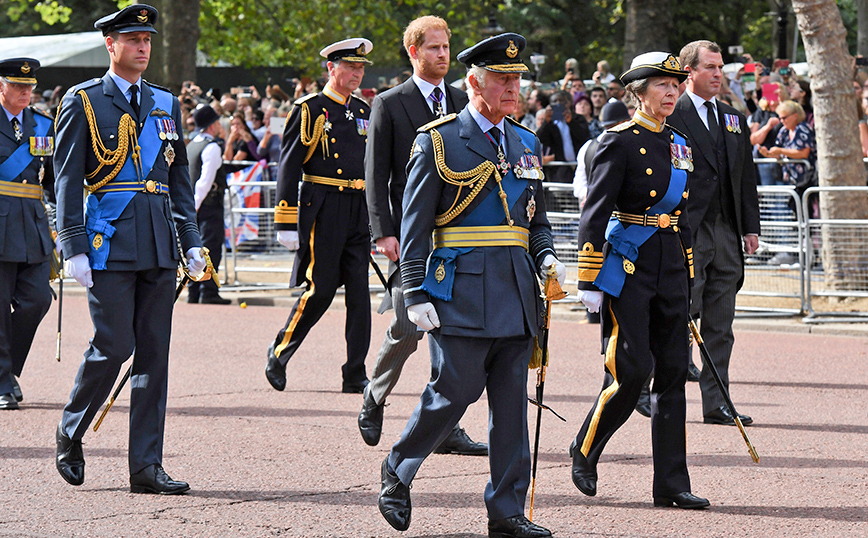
(361, 50)
(143, 16)
(672, 63)
(512, 50)
(25, 68)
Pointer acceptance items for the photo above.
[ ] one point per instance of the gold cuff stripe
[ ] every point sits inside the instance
(20, 190)
(588, 275)
(481, 236)
(356, 184)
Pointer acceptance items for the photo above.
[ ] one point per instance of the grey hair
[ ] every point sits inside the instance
(478, 73)
(635, 89)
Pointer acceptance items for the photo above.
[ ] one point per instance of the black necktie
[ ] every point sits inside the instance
(134, 101)
(713, 128)
(437, 97)
(494, 134)
(17, 128)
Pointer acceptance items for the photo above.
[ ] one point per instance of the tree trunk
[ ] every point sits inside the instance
(839, 153)
(647, 30)
(862, 35)
(180, 37)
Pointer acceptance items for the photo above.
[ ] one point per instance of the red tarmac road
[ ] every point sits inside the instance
(265, 463)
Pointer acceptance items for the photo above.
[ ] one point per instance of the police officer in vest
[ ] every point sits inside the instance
(326, 220)
(119, 151)
(475, 183)
(209, 184)
(26, 143)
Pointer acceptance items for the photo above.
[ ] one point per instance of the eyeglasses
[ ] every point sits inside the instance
(782, 118)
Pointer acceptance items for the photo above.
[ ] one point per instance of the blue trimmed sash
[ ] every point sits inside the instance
(21, 157)
(103, 210)
(625, 241)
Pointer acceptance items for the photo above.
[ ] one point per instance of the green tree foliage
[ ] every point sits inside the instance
(43, 17)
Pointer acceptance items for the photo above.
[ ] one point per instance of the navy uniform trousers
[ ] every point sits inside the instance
(339, 248)
(25, 287)
(645, 332)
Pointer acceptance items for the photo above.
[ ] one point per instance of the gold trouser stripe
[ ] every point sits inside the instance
(20, 190)
(644, 220)
(357, 184)
(481, 236)
(607, 393)
(302, 301)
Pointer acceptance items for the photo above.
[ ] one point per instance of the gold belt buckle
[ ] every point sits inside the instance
(357, 184)
(663, 220)
(151, 186)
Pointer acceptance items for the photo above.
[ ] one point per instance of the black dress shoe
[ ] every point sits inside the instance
(516, 527)
(214, 299)
(355, 387)
(458, 442)
(584, 476)
(16, 390)
(274, 371)
(721, 415)
(643, 406)
(685, 500)
(394, 500)
(8, 401)
(692, 372)
(153, 479)
(371, 420)
(70, 458)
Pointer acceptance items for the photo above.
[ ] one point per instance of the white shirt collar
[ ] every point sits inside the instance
(124, 85)
(699, 103)
(426, 88)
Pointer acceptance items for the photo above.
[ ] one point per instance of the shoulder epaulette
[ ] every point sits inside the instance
(437, 122)
(304, 98)
(519, 124)
(620, 127)
(684, 136)
(84, 85)
(157, 86)
(41, 112)
(361, 101)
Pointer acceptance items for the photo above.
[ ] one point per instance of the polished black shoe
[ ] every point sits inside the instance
(70, 458)
(16, 390)
(721, 415)
(8, 401)
(153, 479)
(371, 420)
(643, 406)
(394, 500)
(459, 443)
(354, 388)
(685, 500)
(692, 372)
(584, 476)
(516, 527)
(214, 299)
(274, 371)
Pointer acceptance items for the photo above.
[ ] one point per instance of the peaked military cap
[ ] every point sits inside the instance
(19, 70)
(653, 64)
(134, 18)
(354, 49)
(500, 53)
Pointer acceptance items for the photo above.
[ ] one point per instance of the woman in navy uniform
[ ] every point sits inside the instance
(26, 143)
(636, 260)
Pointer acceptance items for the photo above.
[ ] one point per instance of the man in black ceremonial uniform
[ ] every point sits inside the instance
(326, 221)
(26, 143)
(123, 246)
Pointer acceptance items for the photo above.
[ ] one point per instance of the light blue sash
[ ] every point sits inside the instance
(21, 157)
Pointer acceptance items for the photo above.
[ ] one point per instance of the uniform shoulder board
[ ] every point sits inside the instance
(684, 136)
(519, 124)
(620, 127)
(157, 86)
(360, 100)
(304, 98)
(85, 85)
(437, 122)
(41, 112)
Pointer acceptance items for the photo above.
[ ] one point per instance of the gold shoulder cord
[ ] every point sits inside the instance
(107, 157)
(478, 175)
(310, 139)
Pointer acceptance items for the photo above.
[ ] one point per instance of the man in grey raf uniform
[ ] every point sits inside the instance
(25, 240)
(122, 247)
(475, 183)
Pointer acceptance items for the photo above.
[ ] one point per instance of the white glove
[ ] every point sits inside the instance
(423, 316)
(559, 267)
(592, 300)
(78, 267)
(195, 262)
(288, 238)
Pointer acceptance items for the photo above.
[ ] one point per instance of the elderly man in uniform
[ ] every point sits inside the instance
(475, 183)
(25, 240)
(118, 141)
(326, 221)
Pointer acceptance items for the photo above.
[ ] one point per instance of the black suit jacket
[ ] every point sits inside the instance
(395, 116)
(740, 170)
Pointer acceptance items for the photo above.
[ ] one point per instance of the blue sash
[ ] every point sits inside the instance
(625, 242)
(101, 212)
(21, 157)
(487, 213)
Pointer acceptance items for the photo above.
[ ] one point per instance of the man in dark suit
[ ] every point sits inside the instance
(478, 292)
(25, 240)
(139, 206)
(395, 116)
(723, 209)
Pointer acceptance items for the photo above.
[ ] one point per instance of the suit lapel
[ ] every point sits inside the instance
(110, 89)
(414, 103)
(6, 127)
(29, 126)
(452, 104)
(730, 139)
(514, 146)
(147, 102)
(697, 131)
(477, 142)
